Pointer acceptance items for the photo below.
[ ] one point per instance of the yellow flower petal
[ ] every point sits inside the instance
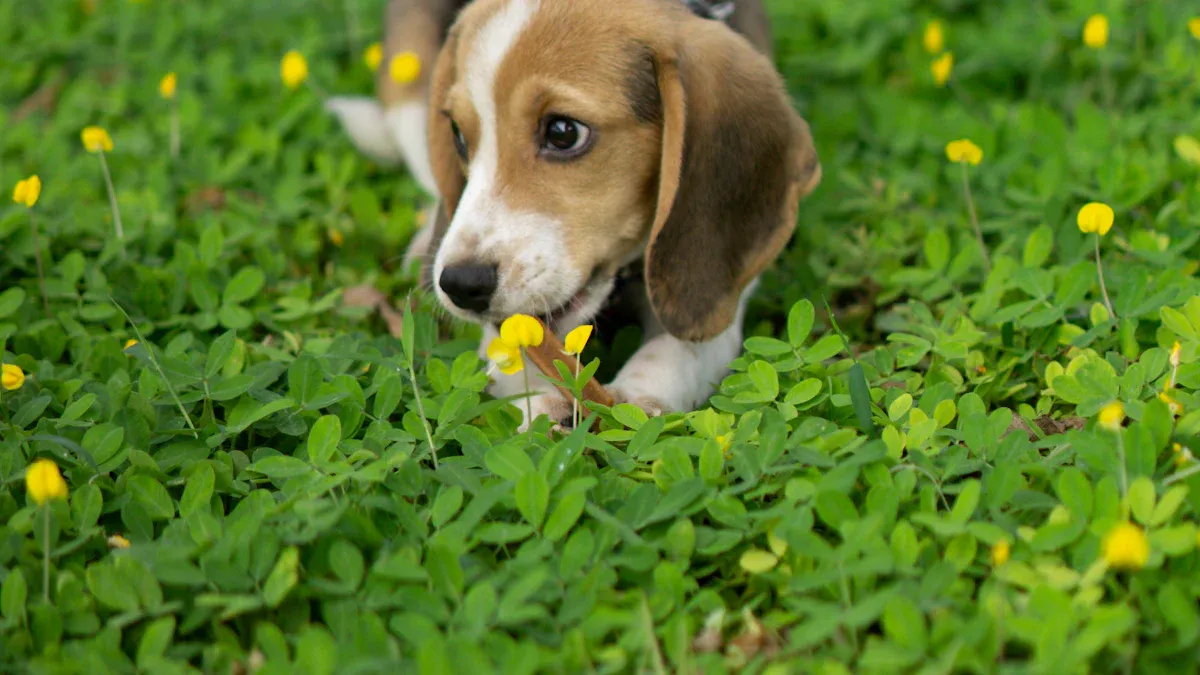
(522, 330)
(506, 356)
(293, 69)
(96, 139)
(11, 377)
(117, 541)
(405, 67)
(963, 150)
(1176, 352)
(577, 339)
(934, 38)
(373, 56)
(337, 237)
(28, 191)
(129, 343)
(1095, 217)
(44, 482)
(1000, 552)
(1173, 405)
(1112, 416)
(167, 85)
(1126, 547)
(1194, 27)
(1095, 31)
(941, 68)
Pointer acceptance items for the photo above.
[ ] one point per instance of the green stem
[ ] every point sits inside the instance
(46, 554)
(1103, 286)
(987, 260)
(174, 129)
(1124, 468)
(112, 196)
(37, 257)
(528, 397)
(412, 374)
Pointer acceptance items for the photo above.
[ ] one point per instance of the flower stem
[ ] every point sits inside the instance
(37, 257)
(1124, 468)
(987, 260)
(174, 129)
(1103, 287)
(528, 398)
(412, 374)
(575, 400)
(112, 196)
(46, 554)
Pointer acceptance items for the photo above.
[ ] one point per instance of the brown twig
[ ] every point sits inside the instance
(544, 355)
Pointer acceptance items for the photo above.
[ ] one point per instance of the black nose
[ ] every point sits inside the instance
(470, 287)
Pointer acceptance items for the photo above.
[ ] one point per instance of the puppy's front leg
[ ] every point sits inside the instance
(670, 375)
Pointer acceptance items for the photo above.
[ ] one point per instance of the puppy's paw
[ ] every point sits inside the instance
(363, 120)
(652, 406)
(554, 406)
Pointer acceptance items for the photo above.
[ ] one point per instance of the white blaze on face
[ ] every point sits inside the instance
(529, 247)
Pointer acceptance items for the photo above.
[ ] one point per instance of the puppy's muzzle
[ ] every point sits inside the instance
(470, 286)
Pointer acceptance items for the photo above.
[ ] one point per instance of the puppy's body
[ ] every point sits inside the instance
(569, 139)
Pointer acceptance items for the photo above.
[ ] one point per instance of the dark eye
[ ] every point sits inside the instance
(564, 138)
(460, 143)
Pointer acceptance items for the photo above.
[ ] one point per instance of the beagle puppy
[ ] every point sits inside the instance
(575, 143)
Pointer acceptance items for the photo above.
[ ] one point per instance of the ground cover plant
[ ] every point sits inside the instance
(959, 440)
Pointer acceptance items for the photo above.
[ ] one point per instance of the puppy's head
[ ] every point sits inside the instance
(571, 137)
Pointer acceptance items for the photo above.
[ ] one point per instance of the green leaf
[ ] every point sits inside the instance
(86, 505)
(1075, 492)
(243, 286)
(153, 496)
(323, 439)
(281, 467)
(564, 516)
(800, 322)
(533, 497)
(765, 379)
(346, 561)
(1038, 247)
(508, 462)
(937, 249)
(283, 578)
(11, 300)
(110, 589)
(860, 396)
(1141, 499)
(155, 641)
(218, 354)
(448, 502)
(197, 491)
(757, 561)
(13, 595)
(1168, 505)
(900, 407)
(712, 461)
(968, 500)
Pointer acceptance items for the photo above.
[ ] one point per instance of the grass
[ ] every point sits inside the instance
(912, 481)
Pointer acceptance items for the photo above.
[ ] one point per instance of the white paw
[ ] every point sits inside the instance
(652, 406)
(363, 120)
(554, 406)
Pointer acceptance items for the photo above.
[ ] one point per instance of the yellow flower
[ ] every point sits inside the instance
(577, 339)
(1000, 552)
(941, 68)
(373, 56)
(964, 150)
(337, 237)
(117, 541)
(1176, 349)
(11, 377)
(522, 330)
(129, 343)
(1126, 546)
(1194, 27)
(96, 139)
(1095, 217)
(43, 482)
(1112, 415)
(506, 356)
(1174, 406)
(934, 38)
(1095, 31)
(293, 69)
(405, 67)
(167, 85)
(27, 191)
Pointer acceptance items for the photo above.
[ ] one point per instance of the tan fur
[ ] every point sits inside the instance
(712, 182)
(416, 26)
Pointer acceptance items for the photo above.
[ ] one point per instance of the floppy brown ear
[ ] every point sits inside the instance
(736, 159)
(443, 158)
